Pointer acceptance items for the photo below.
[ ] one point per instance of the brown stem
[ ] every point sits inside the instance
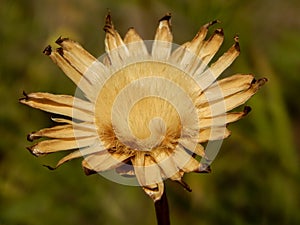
(162, 210)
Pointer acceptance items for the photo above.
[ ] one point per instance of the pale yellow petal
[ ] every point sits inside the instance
(79, 57)
(114, 45)
(232, 101)
(148, 175)
(80, 153)
(213, 133)
(63, 131)
(135, 44)
(89, 67)
(225, 87)
(155, 191)
(209, 49)
(103, 161)
(162, 45)
(222, 120)
(164, 160)
(56, 145)
(226, 59)
(185, 161)
(198, 41)
(208, 76)
(70, 71)
(77, 77)
(60, 104)
(192, 145)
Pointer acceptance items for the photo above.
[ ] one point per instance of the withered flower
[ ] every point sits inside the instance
(148, 106)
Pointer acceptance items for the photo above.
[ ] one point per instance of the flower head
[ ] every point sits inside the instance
(147, 107)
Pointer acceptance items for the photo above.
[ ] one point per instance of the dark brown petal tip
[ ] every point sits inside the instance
(247, 109)
(185, 185)
(50, 167)
(219, 31)
(166, 17)
(253, 81)
(30, 137)
(48, 50)
(237, 44)
(205, 169)
(60, 40)
(26, 97)
(60, 51)
(108, 23)
(209, 24)
(262, 81)
(30, 149)
(88, 171)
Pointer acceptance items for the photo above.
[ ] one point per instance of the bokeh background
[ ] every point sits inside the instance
(255, 178)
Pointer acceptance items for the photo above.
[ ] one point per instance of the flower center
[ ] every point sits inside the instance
(144, 106)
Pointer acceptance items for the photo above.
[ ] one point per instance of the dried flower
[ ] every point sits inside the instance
(147, 108)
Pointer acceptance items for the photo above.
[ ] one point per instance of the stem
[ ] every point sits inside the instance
(162, 210)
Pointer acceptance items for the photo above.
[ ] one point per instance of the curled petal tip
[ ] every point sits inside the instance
(219, 31)
(209, 24)
(185, 185)
(247, 109)
(205, 169)
(30, 137)
(60, 51)
(236, 38)
(60, 40)
(26, 97)
(30, 149)
(47, 50)
(237, 44)
(262, 81)
(166, 17)
(88, 171)
(108, 22)
(50, 167)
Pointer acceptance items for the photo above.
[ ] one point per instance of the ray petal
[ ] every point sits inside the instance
(161, 48)
(198, 51)
(225, 87)
(226, 59)
(91, 69)
(69, 70)
(222, 120)
(192, 145)
(60, 104)
(135, 44)
(114, 45)
(213, 133)
(209, 49)
(79, 57)
(61, 131)
(232, 101)
(56, 145)
(185, 161)
(148, 174)
(198, 41)
(164, 160)
(154, 191)
(103, 161)
(206, 78)
(80, 153)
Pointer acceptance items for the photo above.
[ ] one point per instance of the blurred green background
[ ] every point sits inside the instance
(255, 178)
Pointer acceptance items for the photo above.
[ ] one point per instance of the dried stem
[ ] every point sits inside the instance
(162, 210)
